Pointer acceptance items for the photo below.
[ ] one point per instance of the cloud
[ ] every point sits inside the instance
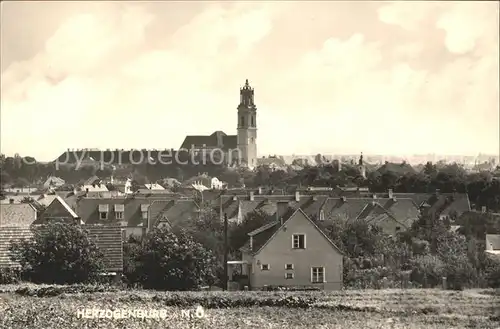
(405, 104)
(408, 77)
(98, 71)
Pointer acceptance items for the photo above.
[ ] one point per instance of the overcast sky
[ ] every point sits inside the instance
(330, 77)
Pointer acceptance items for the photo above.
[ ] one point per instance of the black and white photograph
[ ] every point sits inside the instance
(250, 164)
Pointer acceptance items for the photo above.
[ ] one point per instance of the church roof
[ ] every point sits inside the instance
(227, 141)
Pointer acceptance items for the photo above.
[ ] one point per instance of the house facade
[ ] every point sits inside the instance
(293, 252)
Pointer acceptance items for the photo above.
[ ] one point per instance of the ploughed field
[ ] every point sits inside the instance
(31, 306)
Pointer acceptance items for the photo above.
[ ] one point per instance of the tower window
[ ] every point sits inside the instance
(253, 124)
(242, 121)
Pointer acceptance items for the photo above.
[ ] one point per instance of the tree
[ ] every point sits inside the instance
(174, 261)
(59, 253)
(239, 233)
(430, 169)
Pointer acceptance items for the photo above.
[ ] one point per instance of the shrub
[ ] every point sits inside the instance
(59, 253)
(9, 275)
(172, 261)
(131, 253)
(427, 270)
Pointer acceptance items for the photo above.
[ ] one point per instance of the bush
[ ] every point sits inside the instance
(427, 270)
(172, 261)
(131, 253)
(59, 253)
(9, 275)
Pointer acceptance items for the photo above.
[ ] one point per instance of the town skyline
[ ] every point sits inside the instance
(392, 79)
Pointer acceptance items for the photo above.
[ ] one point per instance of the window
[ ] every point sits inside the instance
(124, 235)
(253, 124)
(119, 210)
(242, 121)
(299, 241)
(317, 274)
(288, 275)
(398, 228)
(103, 211)
(288, 266)
(265, 267)
(144, 211)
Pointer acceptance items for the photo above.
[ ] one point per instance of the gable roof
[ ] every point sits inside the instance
(46, 199)
(263, 235)
(57, 208)
(172, 211)
(211, 141)
(19, 215)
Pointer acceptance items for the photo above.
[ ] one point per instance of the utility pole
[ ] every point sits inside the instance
(225, 253)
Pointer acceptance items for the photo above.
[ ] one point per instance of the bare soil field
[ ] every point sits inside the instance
(48, 307)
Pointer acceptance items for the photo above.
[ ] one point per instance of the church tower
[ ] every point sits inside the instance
(247, 127)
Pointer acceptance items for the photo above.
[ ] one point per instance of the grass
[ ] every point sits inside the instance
(415, 308)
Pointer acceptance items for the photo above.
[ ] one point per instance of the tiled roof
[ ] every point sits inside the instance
(108, 239)
(59, 209)
(402, 210)
(173, 211)
(279, 162)
(7, 236)
(46, 199)
(88, 210)
(228, 141)
(19, 215)
(349, 209)
(264, 234)
(397, 168)
(15, 198)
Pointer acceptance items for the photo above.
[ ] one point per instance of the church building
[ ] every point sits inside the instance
(240, 149)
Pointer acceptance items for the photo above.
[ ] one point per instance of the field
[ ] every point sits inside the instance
(414, 308)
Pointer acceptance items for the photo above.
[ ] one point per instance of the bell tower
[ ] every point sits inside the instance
(247, 127)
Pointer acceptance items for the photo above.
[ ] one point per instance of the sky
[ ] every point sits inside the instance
(330, 77)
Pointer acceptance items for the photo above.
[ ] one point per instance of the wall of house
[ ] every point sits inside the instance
(136, 231)
(278, 252)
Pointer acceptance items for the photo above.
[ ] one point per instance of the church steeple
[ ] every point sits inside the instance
(246, 95)
(247, 126)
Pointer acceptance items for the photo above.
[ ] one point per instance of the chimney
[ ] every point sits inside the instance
(281, 209)
(297, 196)
(251, 196)
(483, 209)
(260, 190)
(344, 199)
(391, 195)
(11, 201)
(251, 242)
(437, 192)
(374, 196)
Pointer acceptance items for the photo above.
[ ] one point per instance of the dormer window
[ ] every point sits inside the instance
(103, 211)
(119, 210)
